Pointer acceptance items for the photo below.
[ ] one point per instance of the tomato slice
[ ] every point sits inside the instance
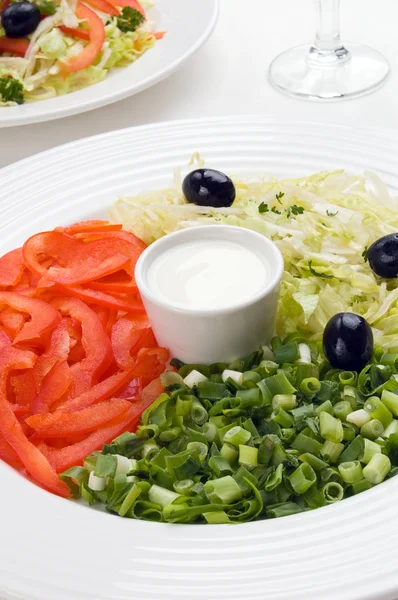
(103, 6)
(63, 424)
(14, 46)
(116, 301)
(81, 34)
(97, 38)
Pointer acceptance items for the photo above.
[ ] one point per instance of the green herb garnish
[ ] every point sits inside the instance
(365, 254)
(11, 90)
(130, 19)
(263, 208)
(332, 214)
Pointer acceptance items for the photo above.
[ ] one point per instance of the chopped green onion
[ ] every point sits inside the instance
(377, 468)
(281, 417)
(105, 466)
(211, 391)
(248, 456)
(283, 510)
(200, 448)
(198, 412)
(331, 428)
(285, 401)
(377, 410)
(316, 463)
(183, 487)
(303, 444)
(302, 478)
(305, 353)
(333, 492)
(288, 353)
(326, 406)
(331, 451)
(351, 472)
(236, 376)
(391, 429)
(390, 400)
(354, 450)
(194, 378)
(370, 449)
(218, 517)
(161, 496)
(129, 500)
(359, 417)
(372, 430)
(360, 486)
(210, 431)
(220, 466)
(347, 378)
(224, 490)
(237, 436)
(250, 379)
(96, 483)
(229, 452)
(342, 409)
(310, 386)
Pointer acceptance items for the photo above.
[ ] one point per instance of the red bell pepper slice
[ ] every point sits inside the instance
(43, 318)
(159, 35)
(89, 226)
(8, 454)
(4, 340)
(63, 424)
(81, 34)
(101, 391)
(128, 336)
(96, 344)
(63, 458)
(57, 352)
(11, 268)
(12, 321)
(55, 385)
(24, 388)
(133, 389)
(117, 301)
(133, 3)
(117, 283)
(97, 38)
(35, 463)
(77, 262)
(14, 46)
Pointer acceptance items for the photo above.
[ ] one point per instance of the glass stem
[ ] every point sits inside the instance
(328, 48)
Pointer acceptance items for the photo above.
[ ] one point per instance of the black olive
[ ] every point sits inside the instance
(383, 256)
(207, 187)
(348, 342)
(20, 19)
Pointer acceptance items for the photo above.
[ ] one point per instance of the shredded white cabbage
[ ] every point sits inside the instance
(325, 270)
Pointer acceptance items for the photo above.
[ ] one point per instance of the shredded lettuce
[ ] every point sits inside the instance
(324, 246)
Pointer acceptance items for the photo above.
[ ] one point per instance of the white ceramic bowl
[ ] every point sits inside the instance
(221, 334)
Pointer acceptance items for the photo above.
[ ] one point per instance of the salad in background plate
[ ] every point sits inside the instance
(50, 47)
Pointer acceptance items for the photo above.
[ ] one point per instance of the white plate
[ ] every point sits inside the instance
(53, 549)
(188, 24)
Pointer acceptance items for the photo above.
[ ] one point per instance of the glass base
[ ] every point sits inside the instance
(349, 72)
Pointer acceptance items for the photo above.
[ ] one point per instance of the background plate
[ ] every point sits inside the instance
(52, 549)
(188, 24)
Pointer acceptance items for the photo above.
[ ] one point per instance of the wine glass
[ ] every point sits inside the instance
(328, 70)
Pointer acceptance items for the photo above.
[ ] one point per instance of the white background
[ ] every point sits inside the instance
(228, 76)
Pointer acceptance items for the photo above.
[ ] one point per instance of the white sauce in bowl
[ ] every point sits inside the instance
(207, 274)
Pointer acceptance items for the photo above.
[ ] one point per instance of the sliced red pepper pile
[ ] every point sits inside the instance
(78, 359)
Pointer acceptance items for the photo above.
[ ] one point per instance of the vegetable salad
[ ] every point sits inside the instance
(323, 224)
(53, 47)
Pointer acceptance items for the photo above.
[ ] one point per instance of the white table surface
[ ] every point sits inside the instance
(228, 76)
